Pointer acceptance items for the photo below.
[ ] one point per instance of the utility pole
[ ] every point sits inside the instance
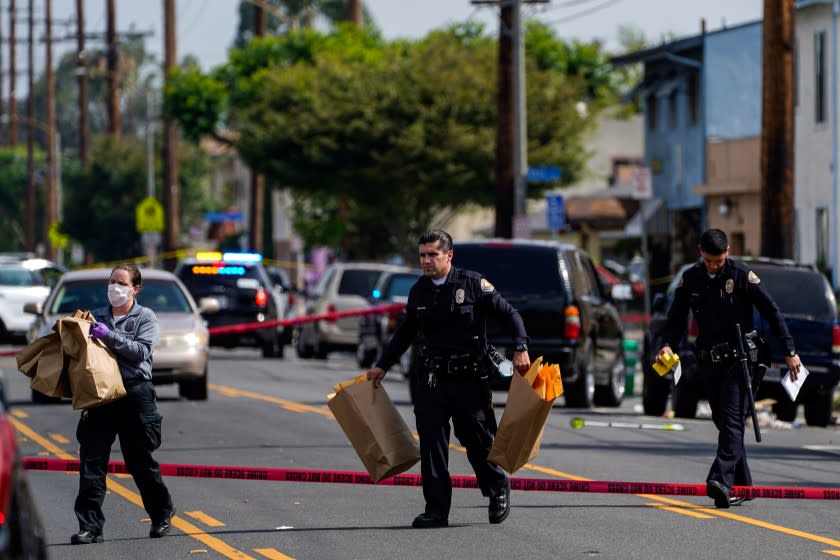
(257, 202)
(113, 73)
(51, 210)
(505, 179)
(354, 12)
(81, 80)
(777, 130)
(171, 188)
(12, 53)
(29, 233)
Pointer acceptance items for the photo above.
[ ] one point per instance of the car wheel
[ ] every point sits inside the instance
(40, 398)
(785, 409)
(580, 393)
(818, 407)
(685, 400)
(654, 392)
(304, 351)
(612, 393)
(321, 349)
(194, 389)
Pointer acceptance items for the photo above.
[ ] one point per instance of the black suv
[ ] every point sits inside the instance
(244, 290)
(805, 298)
(569, 317)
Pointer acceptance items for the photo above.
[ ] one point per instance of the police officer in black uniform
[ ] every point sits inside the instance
(721, 293)
(448, 308)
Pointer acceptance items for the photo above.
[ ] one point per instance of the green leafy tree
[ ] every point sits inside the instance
(13, 196)
(378, 140)
(100, 200)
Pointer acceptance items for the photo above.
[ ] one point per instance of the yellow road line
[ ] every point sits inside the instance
(60, 439)
(202, 517)
(188, 528)
(17, 413)
(681, 511)
(288, 405)
(832, 552)
(272, 554)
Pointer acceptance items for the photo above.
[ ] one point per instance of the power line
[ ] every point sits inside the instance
(584, 13)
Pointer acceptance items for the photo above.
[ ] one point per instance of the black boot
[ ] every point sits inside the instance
(86, 537)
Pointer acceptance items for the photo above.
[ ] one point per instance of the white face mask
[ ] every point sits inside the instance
(118, 294)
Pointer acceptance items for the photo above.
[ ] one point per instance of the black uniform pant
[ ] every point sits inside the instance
(135, 419)
(468, 403)
(729, 401)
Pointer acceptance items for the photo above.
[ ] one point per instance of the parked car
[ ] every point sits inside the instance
(376, 330)
(342, 287)
(181, 354)
(285, 291)
(245, 294)
(23, 280)
(22, 534)
(805, 298)
(570, 319)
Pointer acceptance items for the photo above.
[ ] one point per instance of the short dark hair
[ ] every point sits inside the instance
(437, 235)
(133, 273)
(714, 242)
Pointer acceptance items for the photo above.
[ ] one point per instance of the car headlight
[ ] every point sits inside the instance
(180, 340)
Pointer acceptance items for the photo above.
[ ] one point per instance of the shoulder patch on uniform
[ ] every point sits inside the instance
(486, 286)
(752, 278)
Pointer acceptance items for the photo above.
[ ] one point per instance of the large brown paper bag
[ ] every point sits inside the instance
(375, 428)
(521, 428)
(93, 371)
(27, 357)
(51, 372)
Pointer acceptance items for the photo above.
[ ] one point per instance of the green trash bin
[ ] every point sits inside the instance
(631, 357)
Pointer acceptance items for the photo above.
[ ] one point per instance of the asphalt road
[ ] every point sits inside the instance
(272, 413)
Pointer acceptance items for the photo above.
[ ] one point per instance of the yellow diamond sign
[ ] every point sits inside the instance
(149, 215)
(57, 239)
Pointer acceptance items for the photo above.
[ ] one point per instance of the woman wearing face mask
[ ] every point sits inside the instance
(130, 331)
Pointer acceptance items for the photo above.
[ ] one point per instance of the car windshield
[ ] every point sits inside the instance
(399, 285)
(17, 275)
(162, 296)
(798, 291)
(507, 267)
(358, 282)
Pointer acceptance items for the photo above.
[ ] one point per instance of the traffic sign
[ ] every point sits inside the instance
(642, 184)
(555, 211)
(149, 215)
(544, 174)
(57, 239)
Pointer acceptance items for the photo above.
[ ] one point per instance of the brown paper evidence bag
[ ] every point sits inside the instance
(373, 425)
(529, 402)
(68, 363)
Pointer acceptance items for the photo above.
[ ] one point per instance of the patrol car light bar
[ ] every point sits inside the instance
(218, 269)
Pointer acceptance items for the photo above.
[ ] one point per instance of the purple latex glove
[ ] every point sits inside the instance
(99, 330)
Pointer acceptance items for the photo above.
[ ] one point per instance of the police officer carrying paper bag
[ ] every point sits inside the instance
(721, 294)
(448, 308)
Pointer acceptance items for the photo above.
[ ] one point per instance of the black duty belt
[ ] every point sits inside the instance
(134, 381)
(717, 354)
(456, 365)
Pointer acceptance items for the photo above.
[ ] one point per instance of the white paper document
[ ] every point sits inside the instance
(677, 373)
(793, 387)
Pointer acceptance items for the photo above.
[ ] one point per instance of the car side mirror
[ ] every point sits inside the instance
(208, 305)
(658, 303)
(33, 308)
(621, 292)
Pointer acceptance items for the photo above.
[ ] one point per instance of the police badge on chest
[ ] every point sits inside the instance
(459, 296)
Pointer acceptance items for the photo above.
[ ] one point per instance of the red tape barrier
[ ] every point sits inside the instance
(526, 484)
(245, 327)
